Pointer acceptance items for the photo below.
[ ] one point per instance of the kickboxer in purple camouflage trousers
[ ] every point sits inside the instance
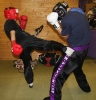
(75, 29)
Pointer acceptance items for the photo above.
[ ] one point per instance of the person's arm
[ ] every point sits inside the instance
(52, 18)
(16, 48)
(59, 31)
(12, 34)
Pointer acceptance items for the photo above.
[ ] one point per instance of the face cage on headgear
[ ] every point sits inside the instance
(11, 13)
(61, 9)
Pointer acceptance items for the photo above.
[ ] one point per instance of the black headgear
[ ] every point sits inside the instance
(61, 9)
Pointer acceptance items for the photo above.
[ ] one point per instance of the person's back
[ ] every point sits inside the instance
(75, 24)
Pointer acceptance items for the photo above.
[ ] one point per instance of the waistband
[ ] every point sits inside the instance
(81, 48)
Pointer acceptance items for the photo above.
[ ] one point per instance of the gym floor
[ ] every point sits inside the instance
(14, 87)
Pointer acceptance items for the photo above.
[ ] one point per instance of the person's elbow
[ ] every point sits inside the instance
(65, 37)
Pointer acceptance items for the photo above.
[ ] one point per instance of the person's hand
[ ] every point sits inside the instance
(52, 18)
(16, 48)
(23, 21)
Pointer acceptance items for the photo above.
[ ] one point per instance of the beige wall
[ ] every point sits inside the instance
(36, 10)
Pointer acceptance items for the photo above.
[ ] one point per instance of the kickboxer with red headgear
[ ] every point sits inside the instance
(23, 43)
(12, 13)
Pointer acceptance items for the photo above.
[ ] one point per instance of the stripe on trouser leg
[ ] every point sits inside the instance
(53, 81)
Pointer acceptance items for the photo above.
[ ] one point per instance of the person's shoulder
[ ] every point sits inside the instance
(10, 21)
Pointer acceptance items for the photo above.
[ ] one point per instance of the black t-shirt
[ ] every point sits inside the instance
(75, 24)
(11, 25)
(21, 36)
(24, 38)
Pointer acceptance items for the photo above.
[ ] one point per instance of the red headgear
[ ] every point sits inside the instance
(11, 13)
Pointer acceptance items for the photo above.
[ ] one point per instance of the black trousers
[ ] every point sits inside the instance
(26, 58)
(41, 45)
(59, 76)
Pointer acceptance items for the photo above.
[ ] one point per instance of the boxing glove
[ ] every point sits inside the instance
(16, 48)
(23, 21)
(52, 18)
(69, 51)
